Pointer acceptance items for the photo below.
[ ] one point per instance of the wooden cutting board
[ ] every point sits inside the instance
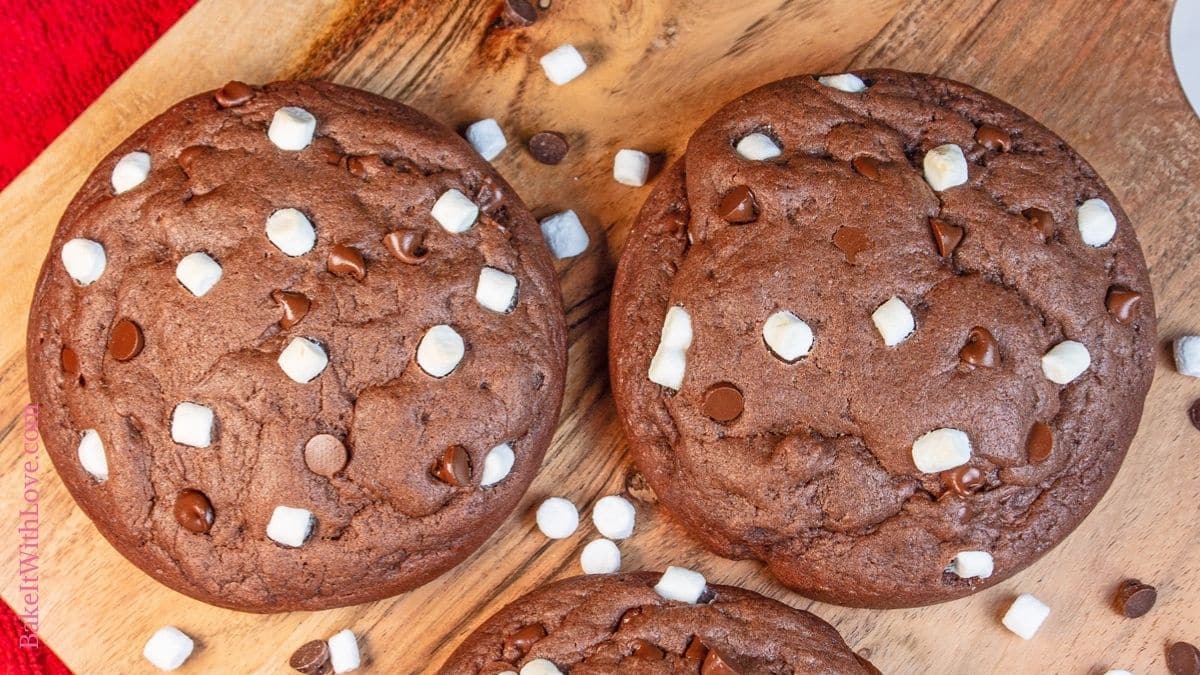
(1096, 72)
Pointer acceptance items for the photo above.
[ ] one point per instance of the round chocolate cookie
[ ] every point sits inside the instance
(883, 332)
(618, 623)
(295, 347)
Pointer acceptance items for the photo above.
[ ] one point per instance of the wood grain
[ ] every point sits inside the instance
(1098, 73)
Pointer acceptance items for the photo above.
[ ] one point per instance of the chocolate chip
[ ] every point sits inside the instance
(365, 166)
(518, 13)
(345, 261)
(523, 639)
(1041, 221)
(454, 468)
(548, 147)
(981, 349)
(963, 480)
(945, 236)
(738, 206)
(866, 166)
(1122, 303)
(629, 615)
(1183, 659)
(1040, 443)
(716, 663)
(193, 511)
(993, 137)
(407, 245)
(69, 361)
(189, 155)
(1194, 413)
(490, 196)
(695, 654)
(312, 658)
(126, 340)
(851, 241)
(325, 455)
(233, 94)
(1133, 598)
(293, 305)
(723, 402)
(644, 649)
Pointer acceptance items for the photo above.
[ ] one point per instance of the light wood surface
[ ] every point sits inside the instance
(1098, 73)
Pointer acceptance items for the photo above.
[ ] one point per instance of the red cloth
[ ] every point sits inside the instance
(58, 56)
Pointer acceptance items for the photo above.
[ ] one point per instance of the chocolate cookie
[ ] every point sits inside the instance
(617, 623)
(295, 347)
(883, 332)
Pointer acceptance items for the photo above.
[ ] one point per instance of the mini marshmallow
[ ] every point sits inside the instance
(290, 526)
(894, 321)
(440, 350)
(631, 167)
(291, 232)
(198, 273)
(292, 128)
(681, 584)
(757, 146)
(91, 455)
(496, 290)
(600, 557)
(497, 464)
(669, 363)
(563, 64)
(487, 138)
(191, 424)
(1187, 355)
(945, 167)
(614, 516)
(168, 648)
(788, 337)
(1097, 224)
(343, 652)
(1066, 361)
(130, 171)
(847, 82)
(84, 260)
(303, 360)
(1025, 615)
(454, 211)
(677, 329)
(941, 449)
(969, 564)
(540, 667)
(564, 234)
(557, 518)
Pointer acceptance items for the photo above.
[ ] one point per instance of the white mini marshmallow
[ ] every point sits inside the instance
(191, 424)
(1097, 224)
(1066, 361)
(487, 138)
(945, 167)
(292, 128)
(540, 667)
(614, 516)
(91, 455)
(84, 260)
(291, 232)
(290, 526)
(496, 290)
(303, 359)
(1187, 355)
(600, 557)
(557, 518)
(454, 211)
(1025, 616)
(788, 337)
(440, 350)
(343, 652)
(757, 146)
(564, 234)
(969, 564)
(168, 648)
(941, 449)
(497, 464)
(631, 167)
(677, 329)
(682, 584)
(130, 171)
(669, 363)
(563, 64)
(198, 273)
(848, 82)
(894, 321)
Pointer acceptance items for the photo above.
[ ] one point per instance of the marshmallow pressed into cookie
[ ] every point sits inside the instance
(84, 260)
(130, 171)
(292, 128)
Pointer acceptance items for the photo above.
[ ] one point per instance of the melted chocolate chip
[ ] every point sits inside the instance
(1122, 303)
(866, 166)
(946, 237)
(294, 307)
(69, 361)
(1041, 221)
(189, 155)
(695, 654)
(1040, 443)
(325, 455)
(524, 638)
(1194, 413)
(490, 196)
(993, 137)
(738, 206)
(233, 94)
(548, 147)
(1133, 598)
(193, 511)
(454, 467)
(312, 658)
(963, 480)
(1183, 659)
(407, 245)
(519, 13)
(851, 241)
(981, 349)
(723, 402)
(126, 341)
(716, 663)
(345, 261)
(629, 615)
(644, 649)
(365, 166)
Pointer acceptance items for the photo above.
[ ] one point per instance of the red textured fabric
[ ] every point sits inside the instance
(58, 56)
